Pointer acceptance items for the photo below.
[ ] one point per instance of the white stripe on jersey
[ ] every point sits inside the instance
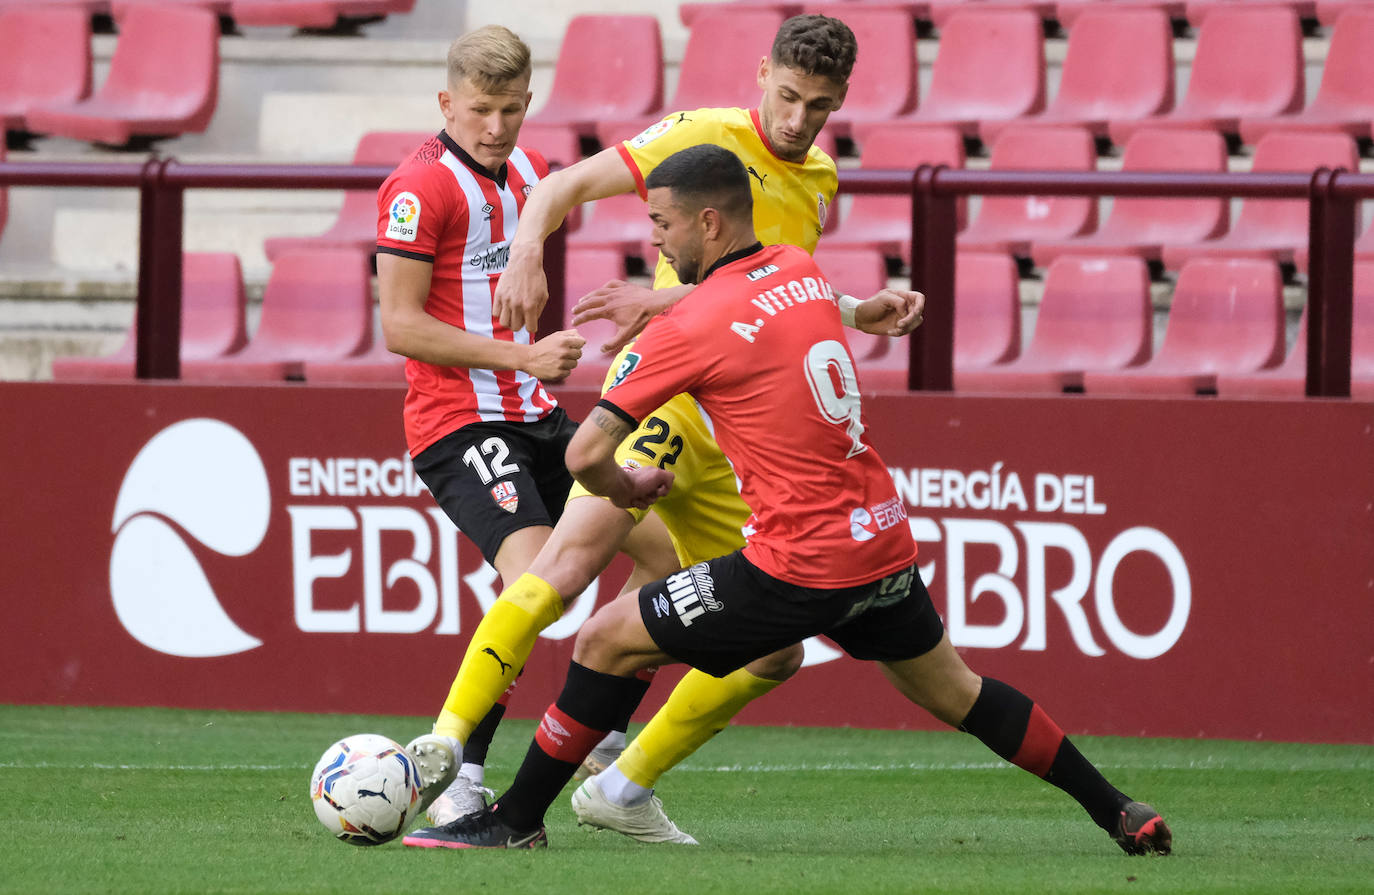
(477, 309)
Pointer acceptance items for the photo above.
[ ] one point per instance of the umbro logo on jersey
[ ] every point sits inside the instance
(487, 209)
(755, 174)
(759, 273)
(660, 606)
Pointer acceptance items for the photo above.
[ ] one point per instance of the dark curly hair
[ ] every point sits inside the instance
(816, 45)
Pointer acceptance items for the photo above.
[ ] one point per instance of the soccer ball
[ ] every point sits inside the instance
(365, 789)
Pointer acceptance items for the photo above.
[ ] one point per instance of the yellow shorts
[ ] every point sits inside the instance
(703, 512)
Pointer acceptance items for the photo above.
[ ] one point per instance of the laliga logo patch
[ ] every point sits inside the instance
(653, 132)
(204, 476)
(627, 366)
(405, 217)
(861, 525)
(505, 496)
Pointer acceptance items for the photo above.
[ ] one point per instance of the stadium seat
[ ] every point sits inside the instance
(356, 226)
(1067, 12)
(883, 84)
(1197, 11)
(1141, 225)
(883, 222)
(1119, 66)
(557, 143)
(45, 57)
(609, 67)
(1008, 224)
(163, 81)
(589, 269)
(1288, 379)
(1328, 11)
(1248, 61)
(1094, 315)
(318, 14)
(987, 310)
(942, 10)
(861, 273)
(87, 7)
(212, 320)
(688, 13)
(1364, 249)
(1345, 97)
(1272, 228)
(4, 195)
(221, 8)
(990, 67)
(719, 68)
(317, 306)
(1226, 317)
(617, 222)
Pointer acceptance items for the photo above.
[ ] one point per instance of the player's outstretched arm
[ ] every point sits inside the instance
(591, 460)
(628, 306)
(523, 290)
(411, 331)
(890, 312)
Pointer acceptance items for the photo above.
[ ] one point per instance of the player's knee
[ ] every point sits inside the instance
(596, 646)
(779, 666)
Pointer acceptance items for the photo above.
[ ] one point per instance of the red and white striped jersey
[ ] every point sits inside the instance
(441, 206)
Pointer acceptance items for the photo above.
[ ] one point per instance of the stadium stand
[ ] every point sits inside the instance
(589, 269)
(1328, 11)
(317, 306)
(317, 14)
(883, 84)
(1198, 11)
(1345, 97)
(1141, 225)
(45, 57)
(213, 307)
(1226, 317)
(356, 226)
(942, 10)
(609, 67)
(1066, 12)
(718, 68)
(1009, 224)
(1094, 315)
(616, 222)
(688, 13)
(88, 7)
(221, 8)
(1248, 62)
(1119, 66)
(990, 67)
(163, 81)
(1272, 228)
(883, 222)
(861, 273)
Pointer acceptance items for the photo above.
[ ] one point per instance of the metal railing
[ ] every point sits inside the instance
(1332, 198)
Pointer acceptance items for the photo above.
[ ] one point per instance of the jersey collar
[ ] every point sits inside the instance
(767, 144)
(732, 258)
(499, 177)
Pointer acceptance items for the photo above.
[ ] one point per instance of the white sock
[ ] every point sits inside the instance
(621, 790)
(474, 772)
(613, 741)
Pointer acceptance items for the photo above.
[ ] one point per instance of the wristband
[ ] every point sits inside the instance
(848, 304)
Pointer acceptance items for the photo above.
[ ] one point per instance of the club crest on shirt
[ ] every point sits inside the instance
(505, 495)
(821, 209)
(627, 366)
(404, 217)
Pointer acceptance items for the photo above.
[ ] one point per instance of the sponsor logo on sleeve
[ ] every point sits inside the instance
(404, 218)
(627, 366)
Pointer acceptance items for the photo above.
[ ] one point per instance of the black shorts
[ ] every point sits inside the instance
(493, 479)
(721, 615)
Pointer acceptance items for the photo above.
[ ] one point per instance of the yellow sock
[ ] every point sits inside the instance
(699, 707)
(497, 652)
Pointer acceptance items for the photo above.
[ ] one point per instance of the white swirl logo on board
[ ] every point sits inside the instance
(206, 477)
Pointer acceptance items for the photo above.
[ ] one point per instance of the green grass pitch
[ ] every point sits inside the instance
(157, 800)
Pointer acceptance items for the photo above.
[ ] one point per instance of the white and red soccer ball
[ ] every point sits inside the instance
(365, 789)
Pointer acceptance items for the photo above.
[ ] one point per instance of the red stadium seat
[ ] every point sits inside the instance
(688, 13)
(609, 67)
(1249, 61)
(317, 306)
(860, 273)
(588, 270)
(719, 68)
(883, 222)
(212, 320)
(557, 143)
(4, 195)
(1067, 12)
(321, 14)
(1364, 249)
(163, 81)
(1094, 314)
(617, 222)
(1272, 228)
(990, 67)
(1198, 10)
(356, 226)
(1119, 66)
(1008, 224)
(1226, 317)
(45, 57)
(942, 10)
(1141, 225)
(87, 7)
(1288, 379)
(1328, 11)
(222, 8)
(883, 84)
(1345, 98)
(987, 310)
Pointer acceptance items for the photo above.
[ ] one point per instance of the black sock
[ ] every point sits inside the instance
(1017, 729)
(479, 741)
(588, 707)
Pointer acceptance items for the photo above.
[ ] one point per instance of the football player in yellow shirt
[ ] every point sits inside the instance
(803, 79)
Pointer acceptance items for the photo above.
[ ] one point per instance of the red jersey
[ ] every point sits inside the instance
(760, 346)
(442, 207)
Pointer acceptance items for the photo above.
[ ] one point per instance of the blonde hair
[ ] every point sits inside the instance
(491, 57)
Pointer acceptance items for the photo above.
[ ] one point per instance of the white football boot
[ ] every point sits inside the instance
(645, 821)
(463, 796)
(438, 765)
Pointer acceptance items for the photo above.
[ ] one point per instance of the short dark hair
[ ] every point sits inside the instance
(705, 175)
(816, 45)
